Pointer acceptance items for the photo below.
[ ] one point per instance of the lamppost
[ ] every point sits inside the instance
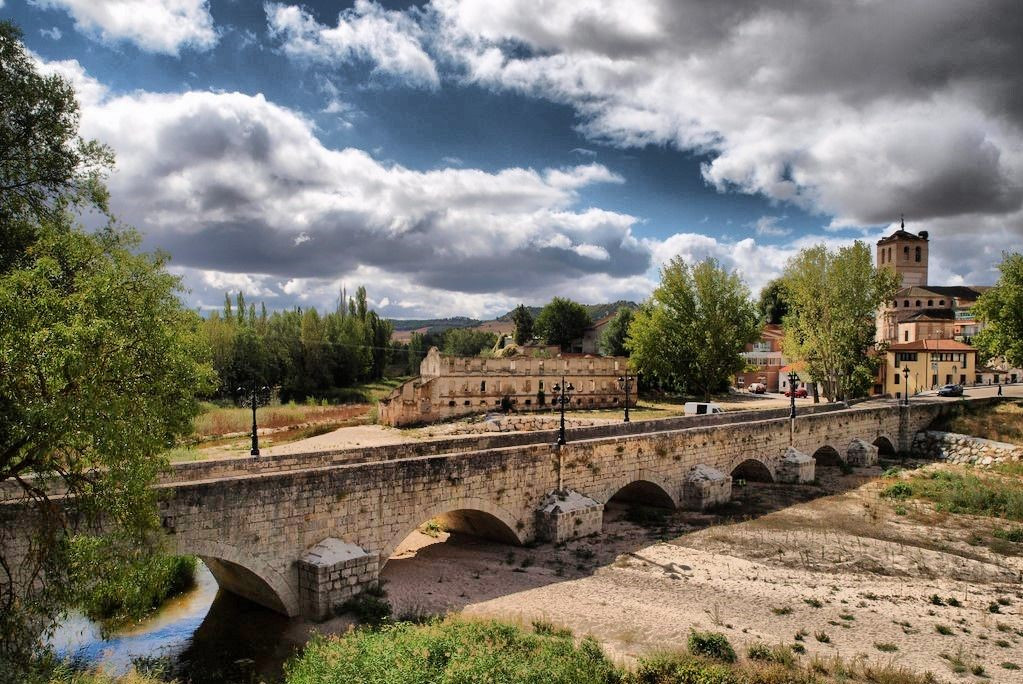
(625, 382)
(905, 386)
(955, 375)
(561, 397)
(793, 379)
(254, 397)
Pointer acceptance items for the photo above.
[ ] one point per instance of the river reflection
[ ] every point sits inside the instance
(209, 636)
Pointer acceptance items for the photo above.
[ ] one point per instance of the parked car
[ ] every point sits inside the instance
(700, 408)
(757, 387)
(800, 393)
(951, 391)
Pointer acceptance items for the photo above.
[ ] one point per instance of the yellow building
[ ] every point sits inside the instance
(931, 364)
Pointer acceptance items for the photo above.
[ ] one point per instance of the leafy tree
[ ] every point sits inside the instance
(561, 322)
(692, 331)
(467, 342)
(773, 303)
(416, 353)
(1001, 311)
(523, 324)
(99, 367)
(833, 298)
(612, 339)
(45, 168)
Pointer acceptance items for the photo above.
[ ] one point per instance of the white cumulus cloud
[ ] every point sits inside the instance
(163, 26)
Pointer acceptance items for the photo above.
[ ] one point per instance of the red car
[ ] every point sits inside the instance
(800, 393)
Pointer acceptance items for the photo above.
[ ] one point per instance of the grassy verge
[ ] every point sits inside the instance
(459, 650)
(69, 676)
(997, 493)
(1002, 422)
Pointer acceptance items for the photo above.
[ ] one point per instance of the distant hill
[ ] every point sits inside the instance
(433, 323)
(437, 325)
(595, 310)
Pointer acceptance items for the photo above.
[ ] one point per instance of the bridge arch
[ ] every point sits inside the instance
(752, 469)
(242, 573)
(828, 455)
(477, 517)
(647, 488)
(885, 445)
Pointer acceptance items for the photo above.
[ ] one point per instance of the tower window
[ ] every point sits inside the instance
(918, 255)
(930, 302)
(905, 252)
(895, 304)
(905, 303)
(918, 302)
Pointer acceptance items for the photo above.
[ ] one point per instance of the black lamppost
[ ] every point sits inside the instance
(254, 397)
(793, 379)
(561, 397)
(625, 382)
(905, 386)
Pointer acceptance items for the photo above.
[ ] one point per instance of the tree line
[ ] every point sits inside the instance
(299, 352)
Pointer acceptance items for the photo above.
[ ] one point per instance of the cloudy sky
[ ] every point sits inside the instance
(458, 157)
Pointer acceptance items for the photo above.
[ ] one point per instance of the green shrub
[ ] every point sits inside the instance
(1014, 534)
(370, 607)
(679, 668)
(451, 650)
(139, 588)
(899, 490)
(944, 630)
(885, 647)
(711, 645)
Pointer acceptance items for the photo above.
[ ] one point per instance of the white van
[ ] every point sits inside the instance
(700, 408)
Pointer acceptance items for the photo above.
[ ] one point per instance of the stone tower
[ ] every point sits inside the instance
(906, 254)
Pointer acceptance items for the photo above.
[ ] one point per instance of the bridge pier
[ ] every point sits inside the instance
(706, 487)
(796, 467)
(332, 572)
(567, 515)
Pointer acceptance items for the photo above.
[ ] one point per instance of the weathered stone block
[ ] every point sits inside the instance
(566, 515)
(796, 467)
(706, 487)
(861, 453)
(330, 572)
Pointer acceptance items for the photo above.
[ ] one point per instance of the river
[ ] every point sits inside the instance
(208, 637)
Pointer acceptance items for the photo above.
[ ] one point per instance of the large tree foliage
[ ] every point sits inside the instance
(612, 339)
(45, 168)
(523, 324)
(1000, 309)
(773, 303)
(467, 342)
(561, 322)
(833, 299)
(691, 332)
(99, 367)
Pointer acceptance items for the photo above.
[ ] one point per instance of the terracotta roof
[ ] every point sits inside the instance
(967, 292)
(797, 366)
(932, 345)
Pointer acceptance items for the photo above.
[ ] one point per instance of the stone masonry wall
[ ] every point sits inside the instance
(964, 449)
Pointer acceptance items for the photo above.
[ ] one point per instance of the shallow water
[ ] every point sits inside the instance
(209, 637)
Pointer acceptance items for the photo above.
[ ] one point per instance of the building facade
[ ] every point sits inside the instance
(763, 359)
(931, 363)
(452, 386)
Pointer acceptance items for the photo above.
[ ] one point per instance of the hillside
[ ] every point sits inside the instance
(441, 324)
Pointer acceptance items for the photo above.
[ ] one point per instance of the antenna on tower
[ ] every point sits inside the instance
(902, 218)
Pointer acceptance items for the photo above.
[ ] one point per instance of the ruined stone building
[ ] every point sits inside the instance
(452, 386)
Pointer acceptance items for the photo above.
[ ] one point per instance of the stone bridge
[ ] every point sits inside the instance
(303, 533)
(302, 539)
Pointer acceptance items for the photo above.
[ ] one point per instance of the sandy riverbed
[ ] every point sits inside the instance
(839, 545)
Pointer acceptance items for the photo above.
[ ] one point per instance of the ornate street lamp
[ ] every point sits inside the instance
(793, 379)
(625, 382)
(561, 391)
(254, 399)
(905, 386)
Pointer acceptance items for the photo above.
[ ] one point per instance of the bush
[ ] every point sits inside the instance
(450, 650)
(141, 589)
(370, 607)
(711, 645)
(899, 490)
(1014, 534)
